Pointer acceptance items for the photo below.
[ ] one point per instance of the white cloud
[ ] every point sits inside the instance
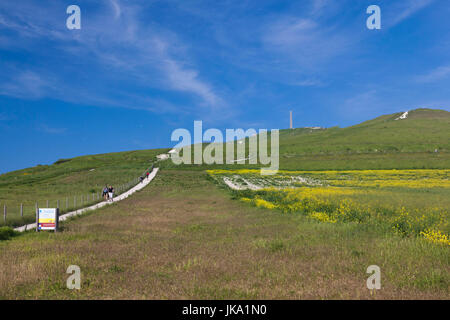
(50, 129)
(26, 84)
(116, 7)
(435, 75)
(307, 42)
(184, 79)
(406, 8)
(151, 57)
(309, 83)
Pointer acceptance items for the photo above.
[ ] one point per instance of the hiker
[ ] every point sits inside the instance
(147, 174)
(105, 193)
(141, 178)
(111, 193)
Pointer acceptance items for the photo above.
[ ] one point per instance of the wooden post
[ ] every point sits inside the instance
(57, 203)
(75, 201)
(4, 213)
(21, 210)
(37, 218)
(57, 220)
(67, 203)
(47, 203)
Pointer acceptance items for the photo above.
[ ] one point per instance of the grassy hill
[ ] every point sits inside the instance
(184, 236)
(74, 182)
(381, 143)
(424, 130)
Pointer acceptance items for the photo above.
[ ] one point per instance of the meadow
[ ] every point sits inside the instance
(375, 193)
(411, 203)
(182, 237)
(75, 182)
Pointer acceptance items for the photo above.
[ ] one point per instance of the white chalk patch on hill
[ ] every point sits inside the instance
(403, 116)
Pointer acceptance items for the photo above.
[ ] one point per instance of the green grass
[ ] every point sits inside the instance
(78, 177)
(183, 238)
(407, 202)
(382, 143)
(7, 233)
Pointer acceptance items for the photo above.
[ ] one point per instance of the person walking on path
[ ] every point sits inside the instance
(147, 174)
(105, 193)
(111, 193)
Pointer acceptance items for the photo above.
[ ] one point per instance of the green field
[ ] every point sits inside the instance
(183, 238)
(81, 178)
(422, 141)
(382, 143)
(344, 198)
(411, 203)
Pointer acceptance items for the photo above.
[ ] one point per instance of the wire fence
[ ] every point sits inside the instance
(18, 213)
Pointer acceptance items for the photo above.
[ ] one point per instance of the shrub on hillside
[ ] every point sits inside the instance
(7, 233)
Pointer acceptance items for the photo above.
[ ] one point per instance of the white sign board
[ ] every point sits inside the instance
(47, 219)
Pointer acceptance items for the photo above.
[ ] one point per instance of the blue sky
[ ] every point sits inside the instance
(137, 70)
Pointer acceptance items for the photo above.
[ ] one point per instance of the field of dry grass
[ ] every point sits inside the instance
(182, 237)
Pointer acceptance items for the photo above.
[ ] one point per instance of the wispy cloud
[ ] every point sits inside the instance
(50, 129)
(25, 84)
(116, 7)
(124, 45)
(404, 9)
(308, 83)
(185, 79)
(309, 44)
(439, 73)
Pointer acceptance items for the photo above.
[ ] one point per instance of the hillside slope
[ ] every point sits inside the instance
(422, 140)
(74, 182)
(381, 143)
(424, 130)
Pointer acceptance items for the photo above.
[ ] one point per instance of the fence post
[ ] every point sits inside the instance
(21, 210)
(4, 213)
(47, 203)
(37, 218)
(75, 201)
(57, 203)
(67, 203)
